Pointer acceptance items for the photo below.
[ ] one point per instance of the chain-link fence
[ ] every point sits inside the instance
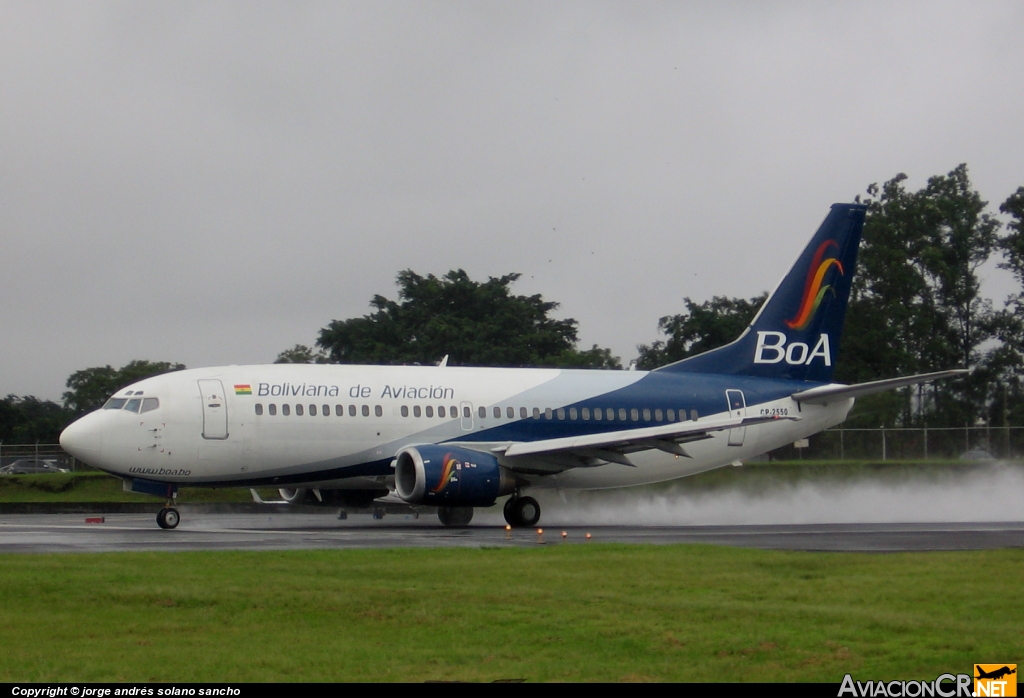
(53, 454)
(971, 443)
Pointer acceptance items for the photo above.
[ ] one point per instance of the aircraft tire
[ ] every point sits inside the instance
(522, 512)
(168, 518)
(454, 517)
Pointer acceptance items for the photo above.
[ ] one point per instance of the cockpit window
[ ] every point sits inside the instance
(150, 403)
(114, 403)
(133, 404)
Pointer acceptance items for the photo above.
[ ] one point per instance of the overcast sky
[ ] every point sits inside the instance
(211, 183)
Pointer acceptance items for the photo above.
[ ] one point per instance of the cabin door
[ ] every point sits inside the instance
(737, 408)
(215, 409)
(467, 416)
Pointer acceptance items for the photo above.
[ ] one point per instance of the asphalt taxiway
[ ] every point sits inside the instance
(41, 533)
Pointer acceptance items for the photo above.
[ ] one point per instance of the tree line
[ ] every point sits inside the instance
(915, 307)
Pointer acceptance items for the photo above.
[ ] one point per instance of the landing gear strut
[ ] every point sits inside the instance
(455, 516)
(522, 511)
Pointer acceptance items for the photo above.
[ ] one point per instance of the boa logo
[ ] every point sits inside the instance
(448, 473)
(772, 348)
(815, 287)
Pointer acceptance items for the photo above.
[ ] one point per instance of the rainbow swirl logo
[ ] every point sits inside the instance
(814, 288)
(447, 472)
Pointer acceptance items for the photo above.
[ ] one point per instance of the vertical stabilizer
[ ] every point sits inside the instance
(796, 333)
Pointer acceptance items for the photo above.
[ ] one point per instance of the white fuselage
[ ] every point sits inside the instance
(341, 426)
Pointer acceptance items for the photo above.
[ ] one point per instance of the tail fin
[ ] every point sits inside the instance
(796, 333)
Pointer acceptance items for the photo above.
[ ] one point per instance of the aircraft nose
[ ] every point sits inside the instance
(83, 440)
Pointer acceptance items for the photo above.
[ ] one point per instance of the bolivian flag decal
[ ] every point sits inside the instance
(244, 389)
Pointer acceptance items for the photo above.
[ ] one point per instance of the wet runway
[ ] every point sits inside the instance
(32, 533)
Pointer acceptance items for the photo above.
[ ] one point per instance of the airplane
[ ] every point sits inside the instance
(461, 437)
(995, 673)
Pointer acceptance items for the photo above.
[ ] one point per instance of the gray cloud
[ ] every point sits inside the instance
(213, 182)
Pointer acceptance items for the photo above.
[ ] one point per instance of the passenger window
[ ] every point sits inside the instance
(366, 410)
(378, 411)
(429, 410)
(510, 412)
(657, 415)
(150, 403)
(454, 411)
(416, 411)
(133, 404)
(572, 413)
(635, 414)
(351, 410)
(693, 415)
(497, 413)
(647, 414)
(326, 410)
(272, 408)
(523, 414)
(114, 403)
(622, 414)
(671, 415)
(598, 414)
(536, 413)
(405, 410)
(561, 414)
(298, 410)
(259, 409)
(440, 411)
(339, 410)
(312, 410)
(466, 412)
(482, 411)
(286, 410)
(585, 413)
(547, 413)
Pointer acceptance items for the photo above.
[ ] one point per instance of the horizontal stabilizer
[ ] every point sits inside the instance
(830, 393)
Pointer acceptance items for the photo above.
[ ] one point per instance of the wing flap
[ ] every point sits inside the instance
(612, 446)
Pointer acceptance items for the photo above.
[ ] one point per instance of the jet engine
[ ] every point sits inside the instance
(300, 495)
(331, 498)
(450, 477)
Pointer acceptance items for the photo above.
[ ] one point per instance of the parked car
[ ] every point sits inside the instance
(29, 466)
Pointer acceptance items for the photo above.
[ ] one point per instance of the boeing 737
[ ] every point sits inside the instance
(458, 438)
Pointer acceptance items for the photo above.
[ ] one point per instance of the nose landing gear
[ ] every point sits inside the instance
(168, 517)
(522, 511)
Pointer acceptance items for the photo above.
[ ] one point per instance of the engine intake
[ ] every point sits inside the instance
(445, 476)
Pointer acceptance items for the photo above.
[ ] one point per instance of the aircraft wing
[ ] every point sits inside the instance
(613, 446)
(825, 394)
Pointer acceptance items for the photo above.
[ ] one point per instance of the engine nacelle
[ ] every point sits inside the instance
(299, 495)
(446, 476)
(331, 498)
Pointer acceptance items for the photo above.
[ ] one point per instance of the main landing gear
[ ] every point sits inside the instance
(455, 517)
(521, 512)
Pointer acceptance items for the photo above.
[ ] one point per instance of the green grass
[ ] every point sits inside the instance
(559, 612)
(100, 487)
